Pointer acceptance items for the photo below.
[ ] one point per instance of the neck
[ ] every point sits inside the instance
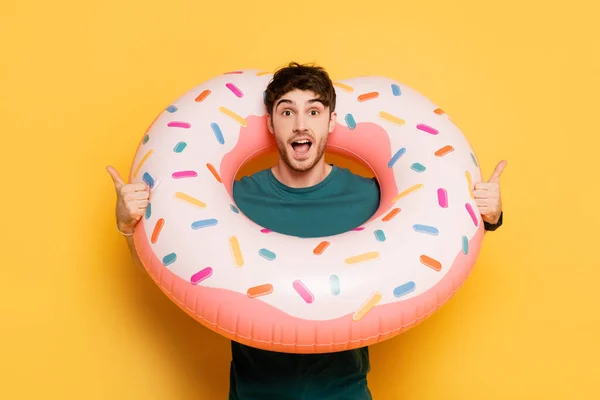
(295, 179)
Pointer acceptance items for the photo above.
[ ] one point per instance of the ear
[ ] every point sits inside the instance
(332, 120)
(270, 123)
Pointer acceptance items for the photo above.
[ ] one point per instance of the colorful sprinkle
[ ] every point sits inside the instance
(428, 129)
(233, 73)
(157, 229)
(401, 290)
(190, 199)
(407, 191)
(395, 90)
(234, 209)
(442, 197)
(368, 96)
(142, 161)
(171, 109)
(470, 184)
(465, 245)
(334, 284)
(444, 150)
(236, 252)
(184, 174)
(213, 171)
(350, 121)
(169, 259)
(391, 118)
(379, 235)
(233, 115)
(148, 179)
(179, 124)
(148, 210)
(367, 306)
(439, 111)
(203, 223)
(418, 167)
(303, 291)
(265, 230)
(262, 73)
(267, 254)
(343, 86)
(235, 90)
(391, 215)
(472, 214)
(218, 134)
(145, 139)
(362, 257)
(396, 157)
(179, 147)
(474, 159)
(201, 275)
(260, 290)
(430, 230)
(321, 248)
(202, 95)
(430, 262)
(360, 228)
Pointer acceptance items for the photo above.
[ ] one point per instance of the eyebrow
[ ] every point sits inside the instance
(282, 101)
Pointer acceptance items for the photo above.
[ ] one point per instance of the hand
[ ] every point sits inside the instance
(487, 195)
(132, 200)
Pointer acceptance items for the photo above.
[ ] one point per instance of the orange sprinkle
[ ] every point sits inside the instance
(321, 248)
(157, 228)
(439, 111)
(261, 290)
(444, 150)
(202, 95)
(368, 96)
(214, 172)
(391, 214)
(431, 263)
(137, 170)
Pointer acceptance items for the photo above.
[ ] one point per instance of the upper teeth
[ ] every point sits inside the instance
(302, 141)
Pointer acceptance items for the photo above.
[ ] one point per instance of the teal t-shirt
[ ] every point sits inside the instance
(339, 203)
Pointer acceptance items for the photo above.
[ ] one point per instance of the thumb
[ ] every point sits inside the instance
(115, 177)
(498, 171)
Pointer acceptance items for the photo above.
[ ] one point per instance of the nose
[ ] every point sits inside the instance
(299, 123)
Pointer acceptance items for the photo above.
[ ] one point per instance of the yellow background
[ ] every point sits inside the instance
(80, 82)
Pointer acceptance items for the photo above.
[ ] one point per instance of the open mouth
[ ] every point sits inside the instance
(301, 147)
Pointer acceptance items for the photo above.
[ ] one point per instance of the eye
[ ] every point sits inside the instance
(287, 113)
(314, 112)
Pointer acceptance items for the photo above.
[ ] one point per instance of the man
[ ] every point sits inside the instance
(301, 196)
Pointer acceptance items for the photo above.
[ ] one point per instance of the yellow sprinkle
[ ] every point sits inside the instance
(407, 191)
(238, 259)
(137, 170)
(190, 199)
(391, 118)
(262, 73)
(367, 306)
(233, 115)
(341, 85)
(470, 183)
(362, 257)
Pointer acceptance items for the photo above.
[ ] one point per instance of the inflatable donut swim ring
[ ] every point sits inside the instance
(307, 295)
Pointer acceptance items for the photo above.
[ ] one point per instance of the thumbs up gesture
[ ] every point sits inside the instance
(132, 200)
(487, 195)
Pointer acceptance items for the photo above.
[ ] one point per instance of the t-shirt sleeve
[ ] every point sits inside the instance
(493, 227)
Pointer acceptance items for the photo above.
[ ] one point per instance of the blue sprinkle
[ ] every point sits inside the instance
(268, 254)
(234, 209)
(171, 109)
(465, 245)
(149, 210)
(169, 259)
(474, 159)
(396, 157)
(146, 138)
(350, 121)
(218, 133)
(380, 235)
(404, 289)
(179, 147)
(418, 167)
(396, 89)
(148, 179)
(431, 230)
(203, 223)
(334, 284)
(264, 96)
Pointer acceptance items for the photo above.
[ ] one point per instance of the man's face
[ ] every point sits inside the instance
(301, 125)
